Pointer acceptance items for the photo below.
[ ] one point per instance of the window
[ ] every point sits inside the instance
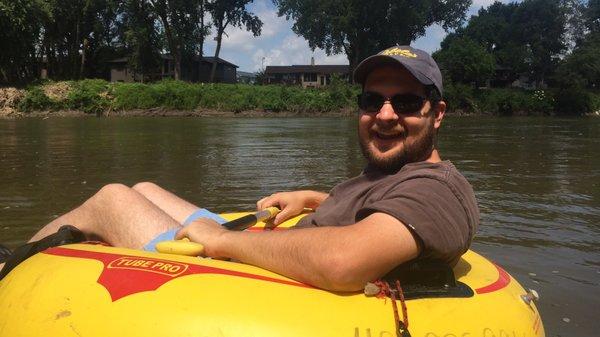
(310, 77)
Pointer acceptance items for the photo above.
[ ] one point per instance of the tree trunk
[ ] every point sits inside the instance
(83, 55)
(177, 60)
(353, 53)
(75, 50)
(214, 65)
(201, 30)
(173, 47)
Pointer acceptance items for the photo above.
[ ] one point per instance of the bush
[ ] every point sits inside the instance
(35, 100)
(177, 94)
(89, 96)
(573, 101)
(129, 96)
(499, 101)
(460, 97)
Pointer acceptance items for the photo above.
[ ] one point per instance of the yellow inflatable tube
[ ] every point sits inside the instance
(94, 290)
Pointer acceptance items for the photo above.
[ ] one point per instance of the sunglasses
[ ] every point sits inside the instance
(403, 104)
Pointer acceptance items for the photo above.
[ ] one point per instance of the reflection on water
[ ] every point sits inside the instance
(537, 181)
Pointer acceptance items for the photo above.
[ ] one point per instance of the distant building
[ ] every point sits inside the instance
(306, 75)
(246, 77)
(198, 71)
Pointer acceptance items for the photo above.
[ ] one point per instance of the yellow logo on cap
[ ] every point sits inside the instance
(395, 51)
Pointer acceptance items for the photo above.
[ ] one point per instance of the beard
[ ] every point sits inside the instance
(418, 150)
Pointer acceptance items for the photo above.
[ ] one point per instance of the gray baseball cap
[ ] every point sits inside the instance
(420, 64)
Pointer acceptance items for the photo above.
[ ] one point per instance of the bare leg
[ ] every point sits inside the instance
(118, 215)
(171, 204)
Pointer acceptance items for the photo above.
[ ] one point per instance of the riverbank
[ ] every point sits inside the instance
(174, 98)
(162, 112)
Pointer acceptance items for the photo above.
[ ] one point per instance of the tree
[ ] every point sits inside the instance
(140, 36)
(524, 38)
(234, 13)
(77, 37)
(466, 61)
(183, 24)
(492, 26)
(592, 15)
(582, 67)
(540, 27)
(361, 28)
(20, 25)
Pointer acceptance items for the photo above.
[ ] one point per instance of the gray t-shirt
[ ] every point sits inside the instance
(432, 199)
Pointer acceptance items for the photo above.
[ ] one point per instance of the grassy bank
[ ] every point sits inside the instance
(101, 97)
(98, 96)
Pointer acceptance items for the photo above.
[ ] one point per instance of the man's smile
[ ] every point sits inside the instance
(387, 135)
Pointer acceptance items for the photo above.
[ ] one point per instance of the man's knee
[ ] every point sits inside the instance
(146, 187)
(110, 193)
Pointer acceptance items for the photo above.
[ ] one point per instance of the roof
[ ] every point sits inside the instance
(322, 69)
(208, 59)
(220, 60)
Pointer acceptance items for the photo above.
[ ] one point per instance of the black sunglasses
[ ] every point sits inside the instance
(403, 104)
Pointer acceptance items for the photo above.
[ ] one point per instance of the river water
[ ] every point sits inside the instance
(537, 181)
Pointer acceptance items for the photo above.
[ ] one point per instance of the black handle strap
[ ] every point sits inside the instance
(65, 235)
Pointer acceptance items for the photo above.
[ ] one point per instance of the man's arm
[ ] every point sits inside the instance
(333, 258)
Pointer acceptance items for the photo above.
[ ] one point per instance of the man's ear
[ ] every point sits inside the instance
(440, 111)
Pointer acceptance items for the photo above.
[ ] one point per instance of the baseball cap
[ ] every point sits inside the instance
(418, 62)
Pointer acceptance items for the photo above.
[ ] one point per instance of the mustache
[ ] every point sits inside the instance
(394, 129)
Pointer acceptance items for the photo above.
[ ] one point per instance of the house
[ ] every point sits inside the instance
(306, 75)
(196, 71)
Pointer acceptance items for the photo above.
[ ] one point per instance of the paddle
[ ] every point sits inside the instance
(186, 247)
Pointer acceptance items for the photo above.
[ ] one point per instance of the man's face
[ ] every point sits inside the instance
(390, 140)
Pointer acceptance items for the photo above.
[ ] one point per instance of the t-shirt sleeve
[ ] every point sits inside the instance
(432, 212)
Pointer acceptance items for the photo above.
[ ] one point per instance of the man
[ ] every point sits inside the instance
(407, 204)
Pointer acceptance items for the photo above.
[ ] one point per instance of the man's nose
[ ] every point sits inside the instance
(387, 113)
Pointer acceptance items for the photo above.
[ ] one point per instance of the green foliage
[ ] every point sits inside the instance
(524, 38)
(35, 100)
(142, 38)
(98, 96)
(466, 61)
(182, 22)
(510, 102)
(582, 67)
(362, 28)
(234, 13)
(460, 96)
(77, 37)
(177, 95)
(574, 100)
(20, 23)
(89, 96)
(592, 15)
(498, 101)
(128, 96)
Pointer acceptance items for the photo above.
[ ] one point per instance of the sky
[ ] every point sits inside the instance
(279, 45)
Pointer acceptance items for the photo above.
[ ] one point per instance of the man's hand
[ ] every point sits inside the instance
(206, 232)
(291, 203)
